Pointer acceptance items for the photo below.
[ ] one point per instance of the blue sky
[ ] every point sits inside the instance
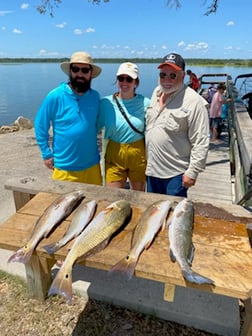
(126, 28)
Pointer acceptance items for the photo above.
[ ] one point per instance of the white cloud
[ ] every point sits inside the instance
(197, 46)
(164, 47)
(17, 31)
(79, 31)
(24, 6)
(230, 23)
(61, 25)
(181, 44)
(3, 28)
(90, 30)
(3, 13)
(46, 53)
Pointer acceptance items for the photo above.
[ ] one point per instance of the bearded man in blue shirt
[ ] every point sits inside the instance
(70, 111)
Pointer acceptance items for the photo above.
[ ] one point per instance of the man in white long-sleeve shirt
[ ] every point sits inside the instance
(177, 132)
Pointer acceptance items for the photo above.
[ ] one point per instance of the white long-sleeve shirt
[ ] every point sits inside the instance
(177, 135)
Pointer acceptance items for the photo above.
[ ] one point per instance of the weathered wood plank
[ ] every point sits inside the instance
(215, 182)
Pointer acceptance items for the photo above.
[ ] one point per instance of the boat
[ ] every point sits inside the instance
(239, 130)
(243, 83)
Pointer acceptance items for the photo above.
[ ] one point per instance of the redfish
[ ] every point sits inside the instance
(181, 245)
(93, 239)
(81, 217)
(152, 220)
(54, 214)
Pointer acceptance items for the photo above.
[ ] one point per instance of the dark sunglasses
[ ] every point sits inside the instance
(171, 75)
(76, 69)
(127, 78)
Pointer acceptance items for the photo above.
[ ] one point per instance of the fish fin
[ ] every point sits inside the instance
(51, 248)
(191, 255)
(126, 265)
(22, 255)
(172, 256)
(148, 243)
(166, 221)
(164, 225)
(62, 284)
(194, 277)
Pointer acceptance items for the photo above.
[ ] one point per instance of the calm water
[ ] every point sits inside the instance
(23, 86)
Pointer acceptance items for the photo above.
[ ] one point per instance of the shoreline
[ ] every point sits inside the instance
(20, 124)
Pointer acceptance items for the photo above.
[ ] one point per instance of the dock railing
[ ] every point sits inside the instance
(240, 137)
(240, 132)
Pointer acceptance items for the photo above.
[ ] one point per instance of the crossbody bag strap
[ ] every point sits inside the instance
(126, 117)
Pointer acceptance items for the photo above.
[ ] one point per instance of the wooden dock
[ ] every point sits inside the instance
(215, 183)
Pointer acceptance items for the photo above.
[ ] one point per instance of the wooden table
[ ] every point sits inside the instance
(223, 251)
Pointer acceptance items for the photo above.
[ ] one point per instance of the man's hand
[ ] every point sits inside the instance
(49, 163)
(188, 182)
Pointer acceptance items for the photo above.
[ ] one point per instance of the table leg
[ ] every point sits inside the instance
(38, 276)
(169, 292)
(20, 199)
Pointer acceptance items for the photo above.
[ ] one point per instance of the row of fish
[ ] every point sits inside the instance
(94, 233)
(180, 235)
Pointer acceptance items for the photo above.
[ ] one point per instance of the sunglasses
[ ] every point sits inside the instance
(171, 75)
(127, 78)
(76, 69)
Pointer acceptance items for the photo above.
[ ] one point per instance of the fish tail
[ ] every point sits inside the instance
(194, 277)
(126, 265)
(51, 248)
(62, 284)
(22, 255)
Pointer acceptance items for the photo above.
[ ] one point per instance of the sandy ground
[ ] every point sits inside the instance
(20, 157)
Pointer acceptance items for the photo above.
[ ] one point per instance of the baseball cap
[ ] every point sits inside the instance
(174, 60)
(129, 69)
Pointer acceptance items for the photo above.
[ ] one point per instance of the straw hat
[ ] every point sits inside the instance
(81, 57)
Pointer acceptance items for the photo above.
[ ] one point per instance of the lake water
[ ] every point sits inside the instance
(23, 86)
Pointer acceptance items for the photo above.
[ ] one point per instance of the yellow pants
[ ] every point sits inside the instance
(125, 160)
(91, 175)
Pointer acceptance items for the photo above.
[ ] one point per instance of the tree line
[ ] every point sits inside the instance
(189, 61)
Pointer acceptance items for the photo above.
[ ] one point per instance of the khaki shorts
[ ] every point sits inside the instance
(125, 160)
(91, 175)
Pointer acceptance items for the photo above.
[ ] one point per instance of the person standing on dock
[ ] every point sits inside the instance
(210, 92)
(194, 82)
(122, 115)
(177, 132)
(215, 112)
(71, 110)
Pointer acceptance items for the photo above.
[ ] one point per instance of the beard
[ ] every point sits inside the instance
(80, 84)
(169, 89)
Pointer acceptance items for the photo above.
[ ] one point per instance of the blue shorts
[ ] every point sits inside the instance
(215, 122)
(168, 186)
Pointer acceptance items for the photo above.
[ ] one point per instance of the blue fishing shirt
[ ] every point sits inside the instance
(116, 127)
(72, 119)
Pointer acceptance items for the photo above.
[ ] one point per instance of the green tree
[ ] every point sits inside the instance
(48, 6)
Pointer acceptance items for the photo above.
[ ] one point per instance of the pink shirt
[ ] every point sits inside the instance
(216, 105)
